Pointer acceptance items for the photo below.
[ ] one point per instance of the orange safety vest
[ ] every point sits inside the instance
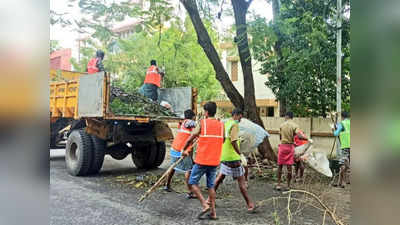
(91, 66)
(152, 76)
(181, 137)
(209, 146)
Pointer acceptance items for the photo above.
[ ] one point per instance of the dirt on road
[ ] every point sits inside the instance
(231, 207)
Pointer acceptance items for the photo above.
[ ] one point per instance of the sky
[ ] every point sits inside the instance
(67, 36)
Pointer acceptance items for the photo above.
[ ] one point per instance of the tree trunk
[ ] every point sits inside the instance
(240, 8)
(282, 107)
(212, 55)
(222, 76)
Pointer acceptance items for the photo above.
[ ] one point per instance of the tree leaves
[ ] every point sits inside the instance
(305, 75)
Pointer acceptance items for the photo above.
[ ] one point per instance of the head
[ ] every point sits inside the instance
(100, 54)
(289, 115)
(189, 114)
(237, 114)
(153, 62)
(210, 108)
(345, 115)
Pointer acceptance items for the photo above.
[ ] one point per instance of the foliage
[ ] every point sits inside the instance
(54, 45)
(306, 73)
(177, 51)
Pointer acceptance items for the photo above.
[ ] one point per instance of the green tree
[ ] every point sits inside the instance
(54, 45)
(298, 51)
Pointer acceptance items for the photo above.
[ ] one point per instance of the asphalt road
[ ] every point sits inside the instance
(96, 200)
(92, 201)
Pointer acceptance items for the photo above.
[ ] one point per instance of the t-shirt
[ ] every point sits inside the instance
(287, 131)
(234, 133)
(189, 124)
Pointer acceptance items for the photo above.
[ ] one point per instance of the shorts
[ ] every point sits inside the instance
(233, 172)
(344, 157)
(184, 166)
(198, 171)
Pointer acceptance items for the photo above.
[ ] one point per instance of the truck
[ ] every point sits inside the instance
(81, 121)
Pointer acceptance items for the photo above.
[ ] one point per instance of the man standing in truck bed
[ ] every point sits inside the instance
(152, 81)
(95, 65)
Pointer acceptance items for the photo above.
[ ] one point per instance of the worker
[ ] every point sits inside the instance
(300, 146)
(210, 133)
(287, 131)
(231, 160)
(95, 65)
(152, 81)
(185, 166)
(343, 131)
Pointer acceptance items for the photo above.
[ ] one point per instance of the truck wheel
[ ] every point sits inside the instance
(99, 148)
(160, 154)
(145, 157)
(54, 129)
(78, 153)
(119, 154)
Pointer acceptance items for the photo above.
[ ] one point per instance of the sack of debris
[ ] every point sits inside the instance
(300, 150)
(251, 135)
(318, 161)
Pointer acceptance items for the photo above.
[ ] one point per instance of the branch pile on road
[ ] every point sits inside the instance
(133, 103)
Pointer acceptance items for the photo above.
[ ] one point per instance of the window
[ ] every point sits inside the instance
(271, 111)
(263, 111)
(234, 70)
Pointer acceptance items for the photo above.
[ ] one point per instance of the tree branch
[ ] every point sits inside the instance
(205, 42)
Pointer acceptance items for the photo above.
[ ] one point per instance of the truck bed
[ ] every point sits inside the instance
(89, 97)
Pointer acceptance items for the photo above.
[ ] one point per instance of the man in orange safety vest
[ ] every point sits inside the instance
(210, 132)
(95, 65)
(152, 81)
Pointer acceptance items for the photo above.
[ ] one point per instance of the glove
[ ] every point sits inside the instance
(310, 140)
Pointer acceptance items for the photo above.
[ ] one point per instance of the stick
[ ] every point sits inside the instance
(159, 181)
(148, 192)
(289, 214)
(258, 165)
(334, 141)
(328, 210)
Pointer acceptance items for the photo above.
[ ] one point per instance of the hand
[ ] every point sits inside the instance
(185, 153)
(310, 140)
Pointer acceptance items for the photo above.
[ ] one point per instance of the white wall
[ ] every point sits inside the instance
(261, 91)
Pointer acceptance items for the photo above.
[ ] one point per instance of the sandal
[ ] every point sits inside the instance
(190, 195)
(212, 218)
(200, 215)
(167, 189)
(253, 210)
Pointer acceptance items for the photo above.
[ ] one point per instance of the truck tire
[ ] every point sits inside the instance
(160, 154)
(54, 129)
(119, 154)
(145, 157)
(78, 153)
(99, 148)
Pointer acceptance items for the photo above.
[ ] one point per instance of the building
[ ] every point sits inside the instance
(265, 99)
(60, 59)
